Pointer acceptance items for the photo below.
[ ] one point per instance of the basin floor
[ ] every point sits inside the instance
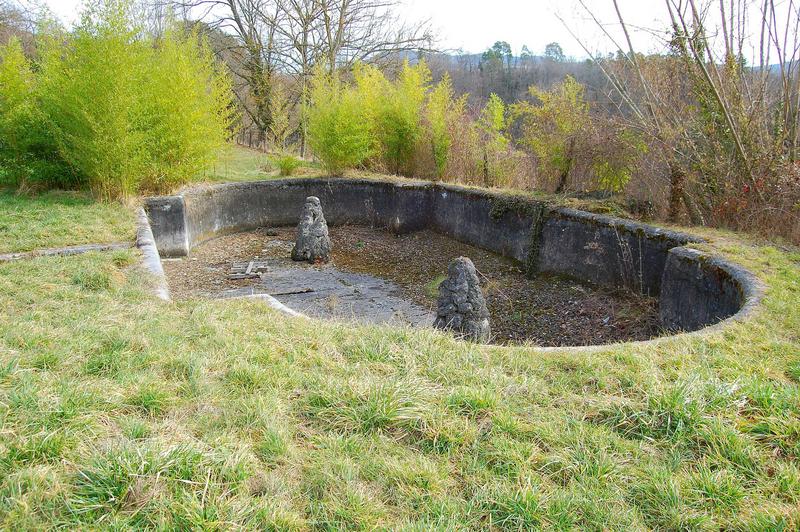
(324, 291)
(379, 277)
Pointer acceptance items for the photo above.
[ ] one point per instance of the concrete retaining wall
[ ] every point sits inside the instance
(693, 291)
(492, 221)
(242, 206)
(607, 250)
(698, 289)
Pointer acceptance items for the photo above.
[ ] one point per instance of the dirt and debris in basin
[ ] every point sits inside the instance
(547, 311)
(205, 272)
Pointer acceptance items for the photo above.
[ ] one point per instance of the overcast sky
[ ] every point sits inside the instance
(474, 25)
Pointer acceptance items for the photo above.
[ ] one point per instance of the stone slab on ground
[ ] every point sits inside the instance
(326, 291)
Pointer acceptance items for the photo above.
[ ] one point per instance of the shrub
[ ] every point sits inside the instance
(287, 164)
(28, 154)
(398, 122)
(615, 153)
(394, 109)
(188, 110)
(550, 129)
(87, 89)
(494, 142)
(465, 161)
(442, 113)
(118, 112)
(339, 130)
(16, 89)
(565, 137)
(372, 87)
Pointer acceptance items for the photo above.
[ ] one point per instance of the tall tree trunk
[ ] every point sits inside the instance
(564, 176)
(486, 182)
(677, 182)
(302, 141)
(303, 111)
(562, 180)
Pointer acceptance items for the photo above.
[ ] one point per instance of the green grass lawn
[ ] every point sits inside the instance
(237, 163)
(61, 218)
(118, 411)
(57, 219)
(240, 164)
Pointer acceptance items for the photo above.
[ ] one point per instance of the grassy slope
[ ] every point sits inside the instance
(240, 164)
(57, 219)
(121, 410)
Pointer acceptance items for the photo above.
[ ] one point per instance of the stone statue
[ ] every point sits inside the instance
(313, 243)
(461, 306)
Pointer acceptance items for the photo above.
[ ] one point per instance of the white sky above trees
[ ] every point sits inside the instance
(472, 26)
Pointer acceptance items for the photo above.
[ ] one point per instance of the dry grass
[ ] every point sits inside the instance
(119, 411)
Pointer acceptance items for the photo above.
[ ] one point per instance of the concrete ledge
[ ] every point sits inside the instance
(150, 257)
(167, 218)
(695, 291)
(606, 250)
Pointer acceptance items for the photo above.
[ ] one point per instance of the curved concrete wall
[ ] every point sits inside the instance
(694, 290)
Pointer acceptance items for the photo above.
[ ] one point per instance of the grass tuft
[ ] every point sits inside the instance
(386, 407)
(472, 401)
(717, 490)
(514, 509)
(271, 448)
(149, 399)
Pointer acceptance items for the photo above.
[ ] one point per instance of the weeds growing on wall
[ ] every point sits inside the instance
(108, 109)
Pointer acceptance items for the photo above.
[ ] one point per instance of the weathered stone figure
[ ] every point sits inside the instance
(313, 243)
(461, 306)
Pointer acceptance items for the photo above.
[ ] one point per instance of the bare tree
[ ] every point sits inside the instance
(17, 20)
(294, 36)
(368, 30)
(725, 123)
